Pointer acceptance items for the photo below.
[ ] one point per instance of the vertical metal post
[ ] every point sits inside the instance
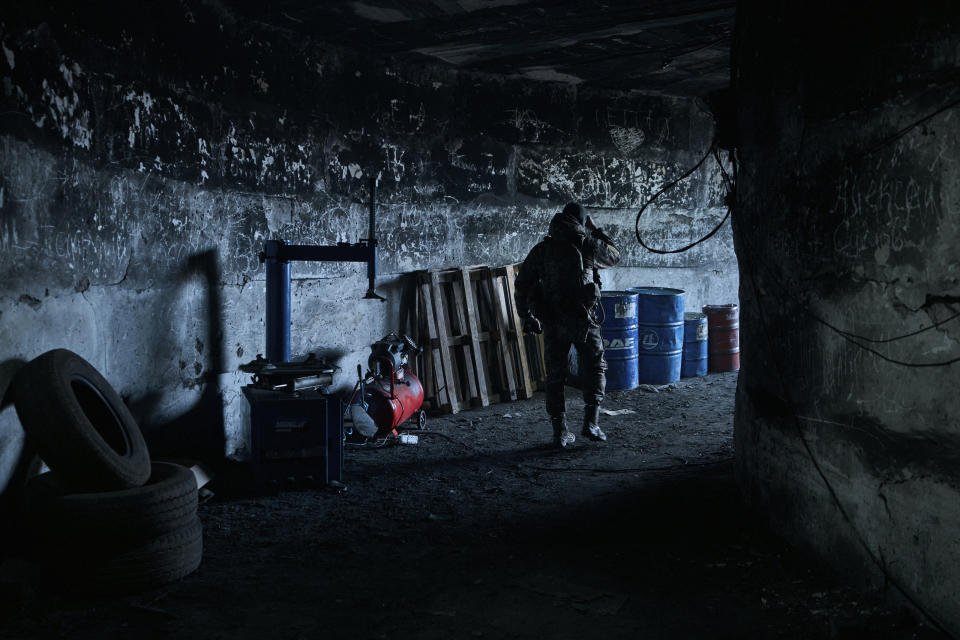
(372, 242)
(373, 209)
(278, 304)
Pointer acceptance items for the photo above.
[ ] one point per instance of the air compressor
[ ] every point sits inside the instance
(390, 393)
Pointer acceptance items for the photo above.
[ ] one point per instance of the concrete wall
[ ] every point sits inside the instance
(847, 216)
(147, 151)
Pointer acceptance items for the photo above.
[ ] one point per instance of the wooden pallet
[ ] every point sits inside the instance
(538, 367)
(512, 344)
(474, 352)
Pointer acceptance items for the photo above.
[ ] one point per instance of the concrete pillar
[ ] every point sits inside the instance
(846, 233)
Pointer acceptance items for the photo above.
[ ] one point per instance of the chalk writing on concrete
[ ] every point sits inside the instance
(881, 213)
(529, 127)
(607, 180)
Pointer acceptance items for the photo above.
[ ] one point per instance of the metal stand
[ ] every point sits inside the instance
(296, 427)
(277, 255)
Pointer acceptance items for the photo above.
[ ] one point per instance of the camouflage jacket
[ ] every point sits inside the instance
(558, 280)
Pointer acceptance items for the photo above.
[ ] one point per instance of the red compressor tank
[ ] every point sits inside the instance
(392, 392)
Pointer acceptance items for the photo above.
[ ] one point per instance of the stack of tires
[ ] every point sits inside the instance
(103, 518)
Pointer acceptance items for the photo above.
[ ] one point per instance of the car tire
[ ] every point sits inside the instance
(147, 564)
(57, 515)
(79, 424)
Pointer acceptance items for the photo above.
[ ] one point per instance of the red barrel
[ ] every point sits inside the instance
(723, 337)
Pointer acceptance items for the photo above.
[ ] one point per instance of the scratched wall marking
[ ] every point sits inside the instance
(880, 214)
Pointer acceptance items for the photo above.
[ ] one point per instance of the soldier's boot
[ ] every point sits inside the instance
(591, 428)
(561, 437)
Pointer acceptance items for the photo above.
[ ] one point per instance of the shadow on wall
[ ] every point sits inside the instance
(23, 457)
(408, 305)
(199, 433)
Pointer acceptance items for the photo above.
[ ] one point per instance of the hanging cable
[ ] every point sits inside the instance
(678, 467)
(778, 368)
(726, 177)
(859, 340)
(816, 465)
(905, 130)
(903, 363)
(730, 183)
(850, 336)
(936, 324)
(854, 338)
(667, 187)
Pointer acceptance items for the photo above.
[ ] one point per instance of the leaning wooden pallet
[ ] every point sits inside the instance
(496, 358)
(440, 307)
(464, 374)
(519, 377)
(517, 333)
(434, 373)
(502, 319)
(540, 370)
(470, 311)
(533, 343)
(453, 338)
(463, 342)
(474, 349)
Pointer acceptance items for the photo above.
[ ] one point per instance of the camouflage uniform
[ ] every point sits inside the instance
(558, 285)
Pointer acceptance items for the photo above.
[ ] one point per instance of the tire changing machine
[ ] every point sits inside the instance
(296, 425)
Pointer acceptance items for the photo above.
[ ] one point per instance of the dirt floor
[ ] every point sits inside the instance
(483, 530)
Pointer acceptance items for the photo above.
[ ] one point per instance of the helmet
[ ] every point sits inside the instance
(575, 211)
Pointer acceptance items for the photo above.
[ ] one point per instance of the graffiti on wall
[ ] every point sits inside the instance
(170, 173)
(881, 214)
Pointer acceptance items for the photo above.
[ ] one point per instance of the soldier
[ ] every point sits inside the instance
(557, 288)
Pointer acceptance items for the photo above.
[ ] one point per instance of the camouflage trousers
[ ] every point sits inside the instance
(592, 366)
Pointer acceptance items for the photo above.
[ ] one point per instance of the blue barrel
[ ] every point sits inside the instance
(694, 345)
(618, 312)
(659, 334)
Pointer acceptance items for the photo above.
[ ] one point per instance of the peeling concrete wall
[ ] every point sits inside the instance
(846, 227)
(147, 152)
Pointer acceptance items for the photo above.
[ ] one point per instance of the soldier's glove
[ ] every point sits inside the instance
(532, 325)
(590, 224)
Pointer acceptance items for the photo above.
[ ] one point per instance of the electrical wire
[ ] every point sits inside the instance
(849, 336)
(813, 459)
(882, 356)
(628, 470)
(900, 337)
(794, 414)
(905, 130)
(752, 270)
(442, 435)
(664, 189)
(857, 339)
(854, 338)
(726, 177)
(371, 443)
(730, 184)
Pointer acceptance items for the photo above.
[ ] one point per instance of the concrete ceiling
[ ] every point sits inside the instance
(672, 47)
